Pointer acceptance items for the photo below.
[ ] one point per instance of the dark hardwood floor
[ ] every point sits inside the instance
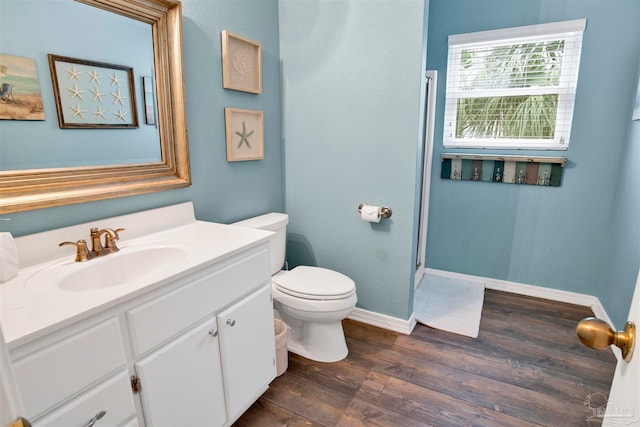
(527, 367)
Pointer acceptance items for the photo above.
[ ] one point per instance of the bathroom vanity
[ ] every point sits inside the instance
(174, 329)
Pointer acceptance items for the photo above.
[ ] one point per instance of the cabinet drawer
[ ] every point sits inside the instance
(113, 396)
(154, 322)
(54, 374)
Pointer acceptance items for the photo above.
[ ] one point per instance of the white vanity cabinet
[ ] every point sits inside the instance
(200, 346)
(180, 372)
(184, 383)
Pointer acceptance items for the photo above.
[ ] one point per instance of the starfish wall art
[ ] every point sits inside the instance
(93, 94)
(245, 138)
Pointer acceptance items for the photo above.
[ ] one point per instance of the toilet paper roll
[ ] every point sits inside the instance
(8, 257)
(370, 213)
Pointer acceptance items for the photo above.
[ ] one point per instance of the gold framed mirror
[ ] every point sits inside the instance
(23, 190)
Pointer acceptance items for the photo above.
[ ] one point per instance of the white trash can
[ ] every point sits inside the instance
(282, 356)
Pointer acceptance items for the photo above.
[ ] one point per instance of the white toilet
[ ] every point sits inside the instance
(312, 301)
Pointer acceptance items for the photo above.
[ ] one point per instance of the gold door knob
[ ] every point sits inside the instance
(21, 422)
(596, 333)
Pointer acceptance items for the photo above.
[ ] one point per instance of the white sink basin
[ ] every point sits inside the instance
(131, 264)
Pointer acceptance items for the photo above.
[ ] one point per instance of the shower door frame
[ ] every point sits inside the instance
(423, 219)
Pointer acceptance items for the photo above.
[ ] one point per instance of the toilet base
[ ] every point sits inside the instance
(315, 326)
(322, 342)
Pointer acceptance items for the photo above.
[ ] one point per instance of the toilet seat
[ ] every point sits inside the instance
(314, 283)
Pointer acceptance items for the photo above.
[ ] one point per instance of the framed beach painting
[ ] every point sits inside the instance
(20, 96)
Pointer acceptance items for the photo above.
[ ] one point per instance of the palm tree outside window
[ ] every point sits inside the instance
(513, 88)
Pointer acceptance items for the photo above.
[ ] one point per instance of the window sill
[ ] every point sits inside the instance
(506, 146)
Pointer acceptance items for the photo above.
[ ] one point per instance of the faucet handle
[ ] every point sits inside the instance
(110, 239)
(82, 252)
(96, 245)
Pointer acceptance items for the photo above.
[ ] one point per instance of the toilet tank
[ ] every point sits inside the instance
(276, 222)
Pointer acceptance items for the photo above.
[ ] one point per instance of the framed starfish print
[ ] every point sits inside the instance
(92, 94)
(245, 135)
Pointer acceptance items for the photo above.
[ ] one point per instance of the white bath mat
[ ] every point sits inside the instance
(449, 304)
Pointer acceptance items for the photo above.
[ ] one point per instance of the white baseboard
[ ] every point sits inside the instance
(530, 290)
(383, 321)
(406, 326)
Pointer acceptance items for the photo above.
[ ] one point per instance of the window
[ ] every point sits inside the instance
(513, 88)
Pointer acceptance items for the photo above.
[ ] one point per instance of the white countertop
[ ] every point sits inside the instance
(27, 313)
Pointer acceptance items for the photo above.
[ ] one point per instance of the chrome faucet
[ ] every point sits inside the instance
(83, 253)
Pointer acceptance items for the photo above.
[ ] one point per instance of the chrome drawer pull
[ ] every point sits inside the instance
(96, 418)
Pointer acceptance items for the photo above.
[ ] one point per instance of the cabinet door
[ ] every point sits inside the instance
(248, 349)
(181, 383)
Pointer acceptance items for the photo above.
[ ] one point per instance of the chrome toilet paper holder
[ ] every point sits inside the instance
(385, 212)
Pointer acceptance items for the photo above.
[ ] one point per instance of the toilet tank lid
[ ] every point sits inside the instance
(271, 221)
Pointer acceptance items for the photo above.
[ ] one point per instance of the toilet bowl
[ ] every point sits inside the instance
(312, 301)
(314, 313)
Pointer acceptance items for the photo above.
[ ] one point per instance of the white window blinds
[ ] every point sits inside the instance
(513, 88)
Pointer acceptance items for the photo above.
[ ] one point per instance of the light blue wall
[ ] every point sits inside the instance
(221, 191)
(351, 97)
(552, 237)
(623, 254)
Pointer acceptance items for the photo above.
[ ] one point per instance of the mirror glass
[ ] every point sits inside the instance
(96, 35)
(42, 163)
